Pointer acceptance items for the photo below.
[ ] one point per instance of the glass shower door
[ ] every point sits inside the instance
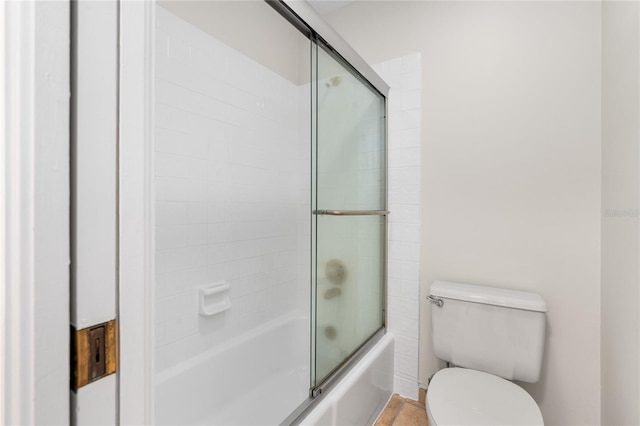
(349, 214)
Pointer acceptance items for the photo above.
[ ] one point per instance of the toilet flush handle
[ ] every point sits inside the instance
(435, 300)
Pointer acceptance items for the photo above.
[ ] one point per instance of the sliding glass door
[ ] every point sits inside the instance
(349, 213)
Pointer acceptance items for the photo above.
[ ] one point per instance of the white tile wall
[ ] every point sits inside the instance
(230, 181)
(403, 75)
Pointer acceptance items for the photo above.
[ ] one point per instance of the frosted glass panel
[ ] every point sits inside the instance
(349, 249)
(351, 140)
(349, 290)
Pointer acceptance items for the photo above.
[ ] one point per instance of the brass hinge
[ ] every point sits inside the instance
(93, 353)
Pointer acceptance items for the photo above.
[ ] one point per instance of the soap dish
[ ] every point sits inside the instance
(214, 298)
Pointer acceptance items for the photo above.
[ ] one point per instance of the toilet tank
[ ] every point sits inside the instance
(489, 329)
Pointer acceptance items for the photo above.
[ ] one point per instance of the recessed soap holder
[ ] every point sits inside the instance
(214, 298)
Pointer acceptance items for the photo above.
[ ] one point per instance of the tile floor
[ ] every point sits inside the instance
(404, 412)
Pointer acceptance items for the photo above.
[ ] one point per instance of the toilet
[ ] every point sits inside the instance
(489, 336)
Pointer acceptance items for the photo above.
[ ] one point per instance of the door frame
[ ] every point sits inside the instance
(17, 115)
(135, 188)
(34, 212)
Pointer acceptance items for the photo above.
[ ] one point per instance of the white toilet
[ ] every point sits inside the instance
(491, 336)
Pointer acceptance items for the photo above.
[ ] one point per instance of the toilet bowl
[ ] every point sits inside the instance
(496, 335)
(460, 396)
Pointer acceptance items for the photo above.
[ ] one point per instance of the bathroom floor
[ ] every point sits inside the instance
(404, 412)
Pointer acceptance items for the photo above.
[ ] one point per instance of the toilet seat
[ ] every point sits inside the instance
(460, 396)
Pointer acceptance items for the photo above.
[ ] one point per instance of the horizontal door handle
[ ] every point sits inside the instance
(352, 212)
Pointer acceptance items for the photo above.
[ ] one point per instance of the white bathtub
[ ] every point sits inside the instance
(235, 384)
(261, 377)
(360, 397)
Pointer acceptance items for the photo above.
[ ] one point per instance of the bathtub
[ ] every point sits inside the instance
(360, 396)
(231, 385)
(234, 384)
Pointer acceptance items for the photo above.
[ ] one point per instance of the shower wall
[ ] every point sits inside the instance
(232, 190)
(404, 109)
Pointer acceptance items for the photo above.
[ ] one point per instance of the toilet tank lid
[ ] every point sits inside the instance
(489, 295)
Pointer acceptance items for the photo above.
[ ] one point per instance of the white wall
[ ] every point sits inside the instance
(511, 164)
(620, 217)
(252, 28)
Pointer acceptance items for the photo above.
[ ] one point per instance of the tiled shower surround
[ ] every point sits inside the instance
(404, 106)
(232, 191)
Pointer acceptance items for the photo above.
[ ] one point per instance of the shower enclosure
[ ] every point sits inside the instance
(268, 211)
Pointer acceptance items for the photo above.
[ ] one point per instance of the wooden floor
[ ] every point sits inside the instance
(404, 412)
